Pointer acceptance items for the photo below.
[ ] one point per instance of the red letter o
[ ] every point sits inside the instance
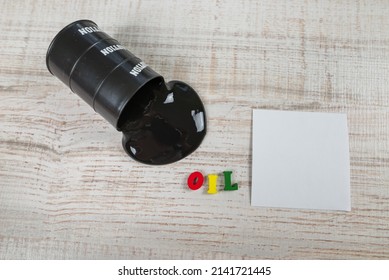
(195, 180)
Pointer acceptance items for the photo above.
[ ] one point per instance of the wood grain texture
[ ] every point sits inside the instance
(68, 190)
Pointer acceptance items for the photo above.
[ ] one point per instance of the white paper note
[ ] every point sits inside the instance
(300, 160)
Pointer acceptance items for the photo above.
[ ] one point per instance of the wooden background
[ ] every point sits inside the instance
(68, 190)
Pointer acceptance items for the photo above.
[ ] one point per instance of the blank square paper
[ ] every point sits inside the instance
(300, 160)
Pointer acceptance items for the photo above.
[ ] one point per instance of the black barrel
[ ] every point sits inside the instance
(161, 122)
(97, 68)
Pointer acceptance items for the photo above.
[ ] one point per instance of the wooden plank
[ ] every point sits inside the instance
(68, 190)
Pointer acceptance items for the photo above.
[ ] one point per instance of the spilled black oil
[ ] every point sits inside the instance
(163, 123)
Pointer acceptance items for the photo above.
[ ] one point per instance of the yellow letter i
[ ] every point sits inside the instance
(212, 180)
